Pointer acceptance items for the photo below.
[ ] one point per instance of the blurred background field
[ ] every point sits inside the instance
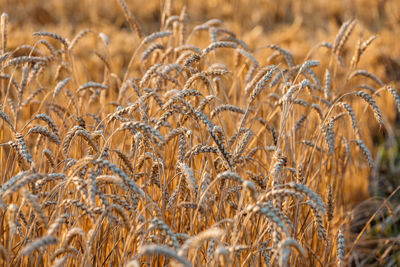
(296, 25)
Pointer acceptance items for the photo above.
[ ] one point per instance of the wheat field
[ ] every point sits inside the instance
(180, 133)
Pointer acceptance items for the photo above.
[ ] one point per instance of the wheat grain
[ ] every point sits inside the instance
(195, 241)
(284, 252)
(260, 85)
(368, 98)
(342, 36)
(367, 74)
(150, 50)
(352, 116)
(78, 37)
(48, 45)
(361, 47)
(331, 203)
(163, 250)
(38, 243)
(130, 18)
(24, 59)
(217, 45)
(45, 132)
(340, 249)
(170, 20)
(4, 32)
(93, 85)
(395, 95)
(7, 119)
(226, 107)
(271, 215)
(155, 36)
(286, 54)
(54, 36)
(53, 228)
(364, 149)
(114, 168)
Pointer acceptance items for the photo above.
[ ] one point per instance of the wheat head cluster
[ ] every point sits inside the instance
(198, 153)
